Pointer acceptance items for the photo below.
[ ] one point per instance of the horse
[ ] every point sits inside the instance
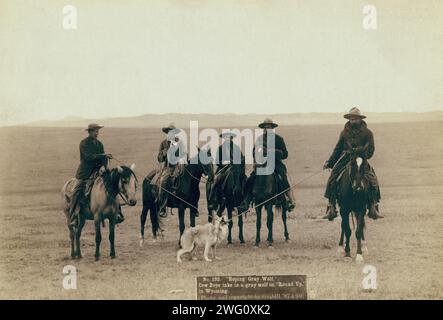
(185, 195)
(352, 197)
(103, 205)
(266, 193)
(231, 196)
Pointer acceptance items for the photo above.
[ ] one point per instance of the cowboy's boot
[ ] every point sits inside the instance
(290, 203)
(331, 211)
(120, 216)
(373, 211)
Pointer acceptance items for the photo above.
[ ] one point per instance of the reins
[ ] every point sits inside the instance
(278, 194)
(248, 210)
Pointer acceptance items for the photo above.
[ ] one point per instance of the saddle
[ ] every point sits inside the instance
(90, 184)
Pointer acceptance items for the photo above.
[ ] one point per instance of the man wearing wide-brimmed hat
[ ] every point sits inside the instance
(358, 137)
(92, 157)
(228, 153)
(280, 154)
(162, 178)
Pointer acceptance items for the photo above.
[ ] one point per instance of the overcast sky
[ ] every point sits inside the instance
(134, 57)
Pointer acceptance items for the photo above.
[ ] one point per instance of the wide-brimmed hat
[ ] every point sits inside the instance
(226, 135)
(267, 123)
(93, 126)
(354, 112)
(169, 128)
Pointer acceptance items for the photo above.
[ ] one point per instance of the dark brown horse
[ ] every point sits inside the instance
(230, 197)
(352, 197)
(104, 204)
(266, 193)
(186, 193)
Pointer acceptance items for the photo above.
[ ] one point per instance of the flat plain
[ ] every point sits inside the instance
(405, 247)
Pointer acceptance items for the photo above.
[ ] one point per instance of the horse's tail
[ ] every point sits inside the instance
(66, 198)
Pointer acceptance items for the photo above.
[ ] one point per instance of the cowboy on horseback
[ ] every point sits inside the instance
(92, 158)
(170, 167)
(355, 138)
(280, 154)
(228, 153)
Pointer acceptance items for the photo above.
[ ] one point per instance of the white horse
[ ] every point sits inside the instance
(103, 204)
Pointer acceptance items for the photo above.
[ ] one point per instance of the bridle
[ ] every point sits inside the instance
(121, 193)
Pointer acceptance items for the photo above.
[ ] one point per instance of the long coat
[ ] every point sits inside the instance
(281, 153)
(360, 138)
(92, 157)
(162, 156)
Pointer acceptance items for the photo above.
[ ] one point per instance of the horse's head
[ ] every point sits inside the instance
(127, 184)
(357, 180)
(205, 163)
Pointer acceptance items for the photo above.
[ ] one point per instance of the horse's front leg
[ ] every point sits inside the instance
(229, 211)
(346, 229)
(269, 223)
(240, 229)
(78, 233)
(98, 236)
(284, 218)
(359, 235)
(72, 229)
(258, 225)
(181, 221)
(143, 217)
(192, 215)
(112, 237)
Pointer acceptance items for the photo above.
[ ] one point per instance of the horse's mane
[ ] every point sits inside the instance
(112, 177)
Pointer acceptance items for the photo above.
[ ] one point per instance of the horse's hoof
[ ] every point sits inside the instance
(218, 258)
(230, 244)
(194, 258)
(208, 260)
(270, 246)
(340, 250)
(112, 256)
(141, 242)
(287, 240)
(256, 245)
(359, 258)
(242, 242)
(97, 258)
(348, 259)
(365, 250)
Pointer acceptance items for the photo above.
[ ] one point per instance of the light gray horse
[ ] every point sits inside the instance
(103, 204)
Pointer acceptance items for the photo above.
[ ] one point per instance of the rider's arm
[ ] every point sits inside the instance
(337, 151)
(281, 152)
(371, 145)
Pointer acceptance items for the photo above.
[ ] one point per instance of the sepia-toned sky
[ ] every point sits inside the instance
(134, 57)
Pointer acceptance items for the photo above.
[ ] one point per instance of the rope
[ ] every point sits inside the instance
(183, 200)
(260, 204)
(280, 193)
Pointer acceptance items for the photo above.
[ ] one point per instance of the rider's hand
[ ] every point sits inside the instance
(108, 156)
